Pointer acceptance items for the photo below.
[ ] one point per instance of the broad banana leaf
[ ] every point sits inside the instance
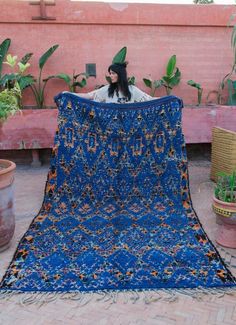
(120, 56)
(171, 66)
(47, 55)
(158, 83)
(26, 58)
(26, 81)
(80, 84)
(147, 82)
(62, 76)
(131, 80)
(7, 77)
(81, 74)
(232, 92)
(4, 46)
(174, 81)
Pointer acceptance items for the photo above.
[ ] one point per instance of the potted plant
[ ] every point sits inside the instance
(224, 205)
(9, 104)
(10, 101)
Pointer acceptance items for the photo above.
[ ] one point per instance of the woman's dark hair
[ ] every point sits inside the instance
(122, 83)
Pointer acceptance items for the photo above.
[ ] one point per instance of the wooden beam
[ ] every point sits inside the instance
(43, 11)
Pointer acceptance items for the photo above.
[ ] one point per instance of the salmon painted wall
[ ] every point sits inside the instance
(94, 32)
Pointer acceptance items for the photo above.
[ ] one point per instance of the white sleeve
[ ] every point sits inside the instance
(139, 95)
(83, 95)
(99, 95)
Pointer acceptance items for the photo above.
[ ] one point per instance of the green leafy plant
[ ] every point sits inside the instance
(225, 189)
(132, 80)
(18, 68)
(227, 79)
(120, 56)
(17, 74)
(169, 80)
(199, 90)
(173, 75)
(4, 46)
(12, 84)
(73, 81)
(153, 84)
(38, 87)
(9, 101)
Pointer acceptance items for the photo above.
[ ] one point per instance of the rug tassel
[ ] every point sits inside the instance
(171, 298)
(134, 297)
(6, 295)
(49, 297)
(228, 258)
(126, 297)
(84, 301)
(76, 296)
(147, 297)
(114, 297)
(30, 299)
(103, 296)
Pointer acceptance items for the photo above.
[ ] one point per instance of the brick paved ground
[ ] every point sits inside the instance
(29, 187)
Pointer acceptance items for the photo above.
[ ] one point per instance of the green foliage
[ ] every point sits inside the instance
(227, 81)
(231, 91)
(199, 90)
(9, 101)
(38, 87)
(11, 84)
(169, 80)
(4, 46)
(225, 189)
(26, 58)
(153, 84)
(17, 75)
(120, 56)
(46, 56)
(71, 81)
(131, 80)
(173, 75)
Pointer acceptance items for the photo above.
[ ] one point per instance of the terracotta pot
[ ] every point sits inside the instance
(7, 216)
(226, 214)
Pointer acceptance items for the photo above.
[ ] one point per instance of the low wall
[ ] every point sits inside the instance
(35, 129)
(94, 32)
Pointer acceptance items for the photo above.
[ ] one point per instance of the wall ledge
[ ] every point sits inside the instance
(98, 13)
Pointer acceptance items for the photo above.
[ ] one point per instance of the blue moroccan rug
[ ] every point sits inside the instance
(117, 213)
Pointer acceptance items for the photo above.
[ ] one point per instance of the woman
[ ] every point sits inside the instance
(118, 91)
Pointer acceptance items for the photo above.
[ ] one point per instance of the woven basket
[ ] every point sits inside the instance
(223, 152)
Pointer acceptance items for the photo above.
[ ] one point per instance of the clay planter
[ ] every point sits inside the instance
(7, 216)
(226, 213)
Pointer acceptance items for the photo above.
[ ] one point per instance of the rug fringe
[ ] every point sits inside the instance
(227, 257)
(111, 297)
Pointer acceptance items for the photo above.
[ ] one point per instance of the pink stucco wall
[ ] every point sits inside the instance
(94, 32)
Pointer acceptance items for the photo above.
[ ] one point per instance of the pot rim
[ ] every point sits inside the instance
(11, 166)
(224, 203)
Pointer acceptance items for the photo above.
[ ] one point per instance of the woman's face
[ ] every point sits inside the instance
(114, 76)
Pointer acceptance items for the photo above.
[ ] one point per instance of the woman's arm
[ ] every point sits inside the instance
(89, 95)
(141, 96)
(98, 95)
